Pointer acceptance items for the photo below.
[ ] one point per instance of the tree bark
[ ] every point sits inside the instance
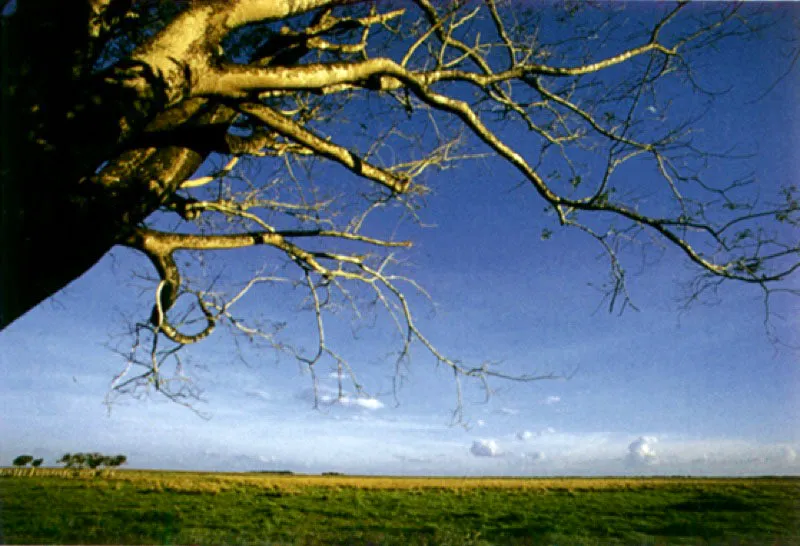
(78, 169)
(61, 212)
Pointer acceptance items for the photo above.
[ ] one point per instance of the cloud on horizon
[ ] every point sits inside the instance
(366, 403)
(327, 396)
(536, 456)
(642, 452)
(485, 448)
(526, 435)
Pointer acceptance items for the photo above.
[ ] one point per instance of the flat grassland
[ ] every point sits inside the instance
(148, 507)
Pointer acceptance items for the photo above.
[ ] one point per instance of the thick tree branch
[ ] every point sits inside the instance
(242, 12)
(294, 131)
(236, 81)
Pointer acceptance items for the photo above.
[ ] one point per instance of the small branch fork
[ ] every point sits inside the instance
(581, 123)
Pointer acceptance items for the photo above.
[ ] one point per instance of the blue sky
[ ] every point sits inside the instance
(661, 391)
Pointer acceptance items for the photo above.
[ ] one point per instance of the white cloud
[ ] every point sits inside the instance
(776, 455)
(366, 403)
(525, 435)
(260, 394)
(550, 400)
(330, 397)
(413, 459)
(267, 459)
(641, 451)
(480, 423)
(485, 448)
(507, 411)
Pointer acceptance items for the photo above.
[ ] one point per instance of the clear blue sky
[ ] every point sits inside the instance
(660, 391)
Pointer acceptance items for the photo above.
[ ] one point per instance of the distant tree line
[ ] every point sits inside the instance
(76, 460)
(25, 460)
(92, 460)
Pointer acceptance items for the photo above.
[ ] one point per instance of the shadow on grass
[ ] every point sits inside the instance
(714, 502)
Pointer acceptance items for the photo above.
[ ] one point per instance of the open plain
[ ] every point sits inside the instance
(162, 507)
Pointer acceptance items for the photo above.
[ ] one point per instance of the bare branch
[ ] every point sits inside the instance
(288, 128)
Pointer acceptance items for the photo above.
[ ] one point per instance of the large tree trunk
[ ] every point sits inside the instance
(87, 156)
(47, 240)
(60, 211)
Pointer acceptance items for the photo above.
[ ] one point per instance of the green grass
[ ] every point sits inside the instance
(193, 508)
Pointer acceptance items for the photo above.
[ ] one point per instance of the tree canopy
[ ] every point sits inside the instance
(23, 460)
(92, 460)
(190, 128)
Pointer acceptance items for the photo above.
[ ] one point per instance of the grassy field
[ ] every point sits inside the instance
(142, 507)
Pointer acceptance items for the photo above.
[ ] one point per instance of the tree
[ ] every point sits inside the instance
(22, 460)
(36, 463)
(116, 460)
(74, 460)
(95, 460)
(189, 103)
